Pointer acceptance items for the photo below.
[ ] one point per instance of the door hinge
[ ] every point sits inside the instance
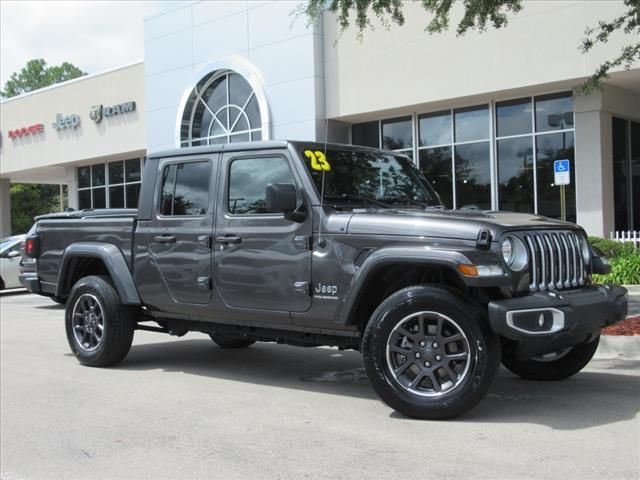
(301, 288)
(303, 242)
(205, 282)
(205, 240)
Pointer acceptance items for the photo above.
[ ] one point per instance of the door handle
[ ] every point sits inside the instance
(229, 239)
(165, 239)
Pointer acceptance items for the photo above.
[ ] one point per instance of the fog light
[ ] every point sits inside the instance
(536, 321)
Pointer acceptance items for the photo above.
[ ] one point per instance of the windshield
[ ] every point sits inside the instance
(366, 177)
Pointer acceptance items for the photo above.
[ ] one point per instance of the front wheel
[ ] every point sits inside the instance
(99, 327)
(429, 352)
(553, 366)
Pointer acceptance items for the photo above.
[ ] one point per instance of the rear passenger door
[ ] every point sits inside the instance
(179, 239)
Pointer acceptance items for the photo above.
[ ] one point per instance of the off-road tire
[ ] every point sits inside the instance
(550, 370)
(118, 322)
(483, 351)
(227, 341)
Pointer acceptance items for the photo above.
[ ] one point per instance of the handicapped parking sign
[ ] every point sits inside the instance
(561, 172)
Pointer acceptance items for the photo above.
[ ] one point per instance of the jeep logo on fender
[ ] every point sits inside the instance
(98, 111)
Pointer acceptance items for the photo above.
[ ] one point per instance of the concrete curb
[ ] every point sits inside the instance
(619, 346)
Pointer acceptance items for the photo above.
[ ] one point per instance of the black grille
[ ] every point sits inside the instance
(555, 260)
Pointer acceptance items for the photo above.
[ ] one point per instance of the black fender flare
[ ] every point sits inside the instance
(415, 255)
(113, 259)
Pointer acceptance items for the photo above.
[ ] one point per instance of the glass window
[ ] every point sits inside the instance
(133, 195)
(191, 196)
(513, 117)
(168, 187)
(99, 197)
(97, 175)
(435, 129)
(219, 108)
(554, 112)
(396, 134)
(116, 197)
(473, 176)
(471, 123)
(84, 199)
(84, 177)
(366, 134)
(635, 174)
(557, 146)
(515, 174)
(435, 165)
(116, 172)
(248, 180)
(132, 170)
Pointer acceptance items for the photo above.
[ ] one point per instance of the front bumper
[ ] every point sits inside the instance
(581, 314)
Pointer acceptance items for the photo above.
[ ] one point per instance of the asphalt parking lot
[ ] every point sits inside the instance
(184, 408)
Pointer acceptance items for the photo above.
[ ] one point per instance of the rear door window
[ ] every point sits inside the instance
(185, 189)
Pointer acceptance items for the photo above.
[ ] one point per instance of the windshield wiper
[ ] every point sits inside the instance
(357, 198)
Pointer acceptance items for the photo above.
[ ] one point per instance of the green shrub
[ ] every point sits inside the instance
(611, 248)
(625, 269)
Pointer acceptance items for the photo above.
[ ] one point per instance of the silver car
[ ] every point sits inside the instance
(10, 256)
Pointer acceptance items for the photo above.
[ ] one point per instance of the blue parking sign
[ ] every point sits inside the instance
(561, 172)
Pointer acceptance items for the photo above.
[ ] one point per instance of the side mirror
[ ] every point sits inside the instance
(281, 198)
(13, 254)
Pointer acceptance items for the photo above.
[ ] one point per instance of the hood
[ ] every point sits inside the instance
(460, 224)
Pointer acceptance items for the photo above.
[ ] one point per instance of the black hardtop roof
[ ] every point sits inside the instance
(260, 145)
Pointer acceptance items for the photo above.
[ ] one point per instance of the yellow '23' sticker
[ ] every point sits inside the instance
(318, 160)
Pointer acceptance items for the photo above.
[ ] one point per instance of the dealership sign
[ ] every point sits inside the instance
(98, 111)
(24, 131)
(66, 121)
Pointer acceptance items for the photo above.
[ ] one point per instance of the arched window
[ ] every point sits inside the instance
(221, 108)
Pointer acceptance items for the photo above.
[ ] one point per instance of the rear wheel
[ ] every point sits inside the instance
(553, 366)
(429, 353)
(230, 341)
(99, 327)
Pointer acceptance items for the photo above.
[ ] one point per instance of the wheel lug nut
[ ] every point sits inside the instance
(435, 344)
(423, 343)
(438, 357)
(427, 364)
(418, 355)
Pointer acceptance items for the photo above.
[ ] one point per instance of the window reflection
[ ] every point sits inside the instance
(554, 112)
(248, 180)
(513, 117)
(515, 174)
(435, 129)
(366, 134)
(471, 123)
(435, 165)
(396, 134)
(473, 176)
(557, 146)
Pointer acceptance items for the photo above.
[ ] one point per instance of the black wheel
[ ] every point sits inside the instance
(59, 300)
(553, 366)
(230, 341)
(1, 284)
(429, 352)
(99, 327)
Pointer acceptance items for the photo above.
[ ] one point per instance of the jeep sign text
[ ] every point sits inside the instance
(68, 121)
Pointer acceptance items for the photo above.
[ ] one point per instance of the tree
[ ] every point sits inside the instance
(477, 15)
(36, 74)
(29, 200)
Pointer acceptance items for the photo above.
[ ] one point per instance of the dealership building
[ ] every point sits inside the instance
(487, 117)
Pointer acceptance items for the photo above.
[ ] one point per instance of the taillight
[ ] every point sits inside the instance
(32, 246)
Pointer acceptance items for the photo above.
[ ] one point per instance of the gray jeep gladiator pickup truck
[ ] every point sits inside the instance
(312, 244)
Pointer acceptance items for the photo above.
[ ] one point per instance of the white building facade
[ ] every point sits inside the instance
(484, 116)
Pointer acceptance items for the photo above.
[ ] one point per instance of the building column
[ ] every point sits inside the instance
(594, 166)
(5, 207)
(72, 186)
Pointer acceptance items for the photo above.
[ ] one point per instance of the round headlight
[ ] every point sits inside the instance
(514, 253)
